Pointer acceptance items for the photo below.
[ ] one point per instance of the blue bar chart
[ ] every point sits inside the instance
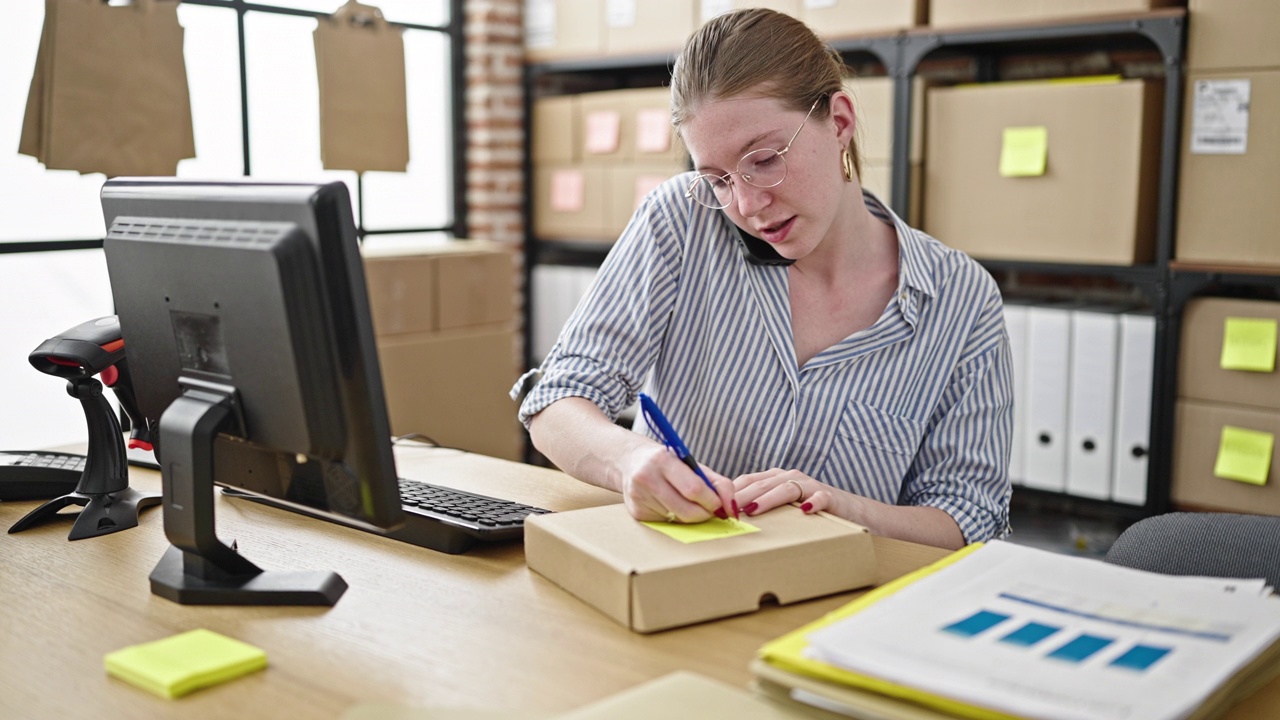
(1077, 647)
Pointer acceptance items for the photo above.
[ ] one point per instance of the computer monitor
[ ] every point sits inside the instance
(246, 323)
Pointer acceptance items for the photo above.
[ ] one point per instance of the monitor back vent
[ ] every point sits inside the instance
(202, 232)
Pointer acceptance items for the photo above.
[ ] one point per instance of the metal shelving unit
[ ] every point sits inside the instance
(902, 54)
(1163, 30)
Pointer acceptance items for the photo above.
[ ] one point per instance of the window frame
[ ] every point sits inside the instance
(457, 227)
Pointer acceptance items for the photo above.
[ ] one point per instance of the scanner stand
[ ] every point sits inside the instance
(109, 503)
(198, 569)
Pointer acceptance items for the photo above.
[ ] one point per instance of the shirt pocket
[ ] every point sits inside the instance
(872, 451)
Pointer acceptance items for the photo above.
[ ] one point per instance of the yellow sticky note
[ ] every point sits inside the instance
(1024, 152)
(179, 664)
(1249, 344)
(713, 529)
(1244, 455)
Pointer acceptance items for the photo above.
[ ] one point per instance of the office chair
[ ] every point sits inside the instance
(1202, 543)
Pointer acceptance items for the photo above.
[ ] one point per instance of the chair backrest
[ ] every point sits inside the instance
(1202, 543)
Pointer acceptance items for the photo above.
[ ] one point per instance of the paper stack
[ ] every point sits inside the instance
(1008, 631)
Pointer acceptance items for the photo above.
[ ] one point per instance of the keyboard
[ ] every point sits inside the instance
(38, 475)
(439, 518)
(452, 521)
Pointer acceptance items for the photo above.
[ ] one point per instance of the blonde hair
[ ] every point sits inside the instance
(757, 48)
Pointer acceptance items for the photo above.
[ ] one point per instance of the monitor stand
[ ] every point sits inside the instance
(110, 505)
(198, 569)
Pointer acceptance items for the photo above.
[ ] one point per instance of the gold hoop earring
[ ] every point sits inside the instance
(846, 164)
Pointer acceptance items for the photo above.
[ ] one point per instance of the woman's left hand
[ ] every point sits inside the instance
(763, 491)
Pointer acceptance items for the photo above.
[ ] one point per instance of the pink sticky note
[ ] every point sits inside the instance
(568, 190)
(645, 184)
(602, 131)
(653, 131)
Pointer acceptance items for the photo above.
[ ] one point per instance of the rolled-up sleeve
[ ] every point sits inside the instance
(612, 339)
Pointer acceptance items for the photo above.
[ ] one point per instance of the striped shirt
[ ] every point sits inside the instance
(915, 410)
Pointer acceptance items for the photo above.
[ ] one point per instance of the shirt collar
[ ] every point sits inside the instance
(915, 266)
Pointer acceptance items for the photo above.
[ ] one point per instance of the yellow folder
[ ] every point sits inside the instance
(787, 655)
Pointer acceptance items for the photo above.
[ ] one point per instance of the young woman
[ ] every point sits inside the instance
(804, 341)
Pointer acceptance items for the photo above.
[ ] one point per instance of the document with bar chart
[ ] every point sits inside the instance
(1037, 634)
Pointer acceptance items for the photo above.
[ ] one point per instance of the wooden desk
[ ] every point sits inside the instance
(416, 627)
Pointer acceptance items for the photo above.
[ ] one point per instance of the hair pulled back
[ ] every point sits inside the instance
(762, 50)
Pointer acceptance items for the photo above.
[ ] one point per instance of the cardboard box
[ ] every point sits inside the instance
(402, 292)
(606, 127)
(650, 135)
(1095, 201)
(651, 26)
(452, 387)
(569, 202)
(1227, 209)
(628, 184)
(873, 101)
(949, 13)
(712, 8)
(843, 18)
(555, 130)
(563, 29)
(476, 289)
(1233, 34)
(1200, 372)
(466, 283)
(1196, 447)
(649, 582)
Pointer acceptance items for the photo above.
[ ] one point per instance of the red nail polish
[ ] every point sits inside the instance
(736, 513)
(720, 513)
(750, 508)
(807, 507)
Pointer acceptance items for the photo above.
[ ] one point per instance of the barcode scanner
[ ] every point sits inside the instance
(96, 348)
(93, 348)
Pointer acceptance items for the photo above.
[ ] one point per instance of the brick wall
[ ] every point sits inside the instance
(495, 120)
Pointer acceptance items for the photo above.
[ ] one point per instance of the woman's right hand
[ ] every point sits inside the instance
(658, 487)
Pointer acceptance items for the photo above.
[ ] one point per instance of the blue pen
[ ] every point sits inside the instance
(662, 427)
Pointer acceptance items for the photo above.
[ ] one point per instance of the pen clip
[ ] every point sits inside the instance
(661, 427)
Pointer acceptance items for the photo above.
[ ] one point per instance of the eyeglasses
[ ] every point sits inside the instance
(763, 168)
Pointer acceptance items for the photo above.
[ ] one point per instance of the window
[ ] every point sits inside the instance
(266, 126)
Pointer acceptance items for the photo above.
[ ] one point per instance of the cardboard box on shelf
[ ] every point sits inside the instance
(563, 29)
(452, 386)
(956, 13)
(651, 137)
(1045, 171)
(624, 126)
(712, 8)
(1233, 34)
(1229, 169)
(555, 130)
(1201, 375)
(843, 18)
(648, 581)
(1202, 458)
(873, 100)
(606, 128)
(633, 27)
(569, 202)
